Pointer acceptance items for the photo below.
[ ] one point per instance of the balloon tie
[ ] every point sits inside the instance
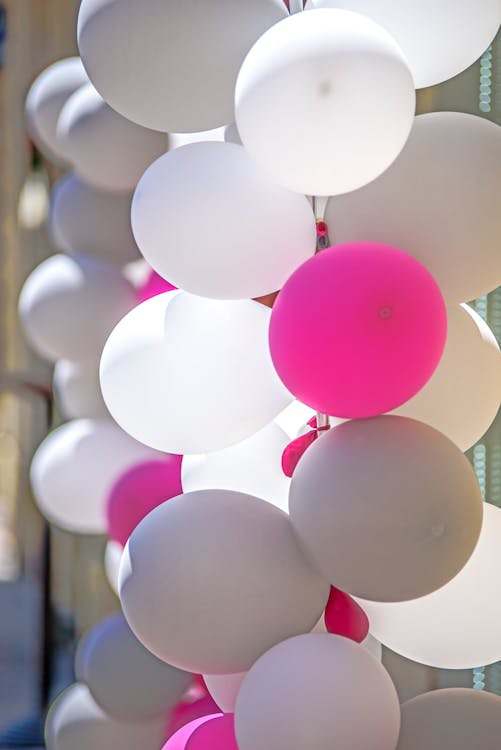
(295, 450)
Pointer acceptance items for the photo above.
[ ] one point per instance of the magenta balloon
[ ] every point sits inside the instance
(138, 491)
(152, 286)
(217, 733)
(358, 329)
(179, 740)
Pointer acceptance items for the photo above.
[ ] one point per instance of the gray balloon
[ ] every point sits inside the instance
(212, 579)
(387, 506)
(125, 679)
(451, 719)
(317, 692)
(84, 219)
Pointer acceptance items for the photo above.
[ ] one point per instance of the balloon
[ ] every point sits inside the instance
(252, 466)
(250, 233)
(231, 134)
(75, 722)
(472, 363)
(77, 391)
(104, 148)
(217, 733)
(439, 201)
(317, 691)
(84, 219)
(188, 710)
(445, 629)
(138, 491)
(153, 286)
(176, 140)
(439, 39)
(190, 375)
(125, 679)
(451, 719)
(74, 469)
(343, 616)
(236, 582)
(391, 484)
(357, 330)
(46, 98)
(295, 108)
(69, 305)
(171, 66)
(224, 689)
(180, 738)
(112, 557)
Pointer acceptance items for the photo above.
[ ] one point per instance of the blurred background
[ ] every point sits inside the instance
(52, 584)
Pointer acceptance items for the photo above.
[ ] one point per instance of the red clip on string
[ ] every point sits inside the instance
(294, 451)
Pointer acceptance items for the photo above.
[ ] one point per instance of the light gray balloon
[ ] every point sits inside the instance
(46, 98)
(212, 579)
(171, 65)
(315, 692)
(77, 391)
(386, 506)
(70, 304)
(124, 678)
(439, 201)
(105, 149)
(84, 219)
(75, 722)
(451, 719)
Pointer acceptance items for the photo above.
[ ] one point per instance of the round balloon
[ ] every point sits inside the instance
(224, 689)
(138, 491)
(69, 305)
(217, 732)
(180, 738)
(112, 557)
(295, 109)
(451, 719)
(104, 148)
(317, 691)
(391, 484)
(237, 581)
(439, 39)
(445, 629)
(471, 361)
(46, 98)
(179, 361)
(75, 468)
(84, 219)
(168, 65)
(77, 391)
(252, 466)
(439, 201)
(250, 233)
(357, 330)
(125, 679)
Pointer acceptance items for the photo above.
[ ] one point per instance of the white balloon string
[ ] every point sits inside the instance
(319, 205)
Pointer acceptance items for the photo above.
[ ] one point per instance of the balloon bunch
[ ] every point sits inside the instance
(268, 584)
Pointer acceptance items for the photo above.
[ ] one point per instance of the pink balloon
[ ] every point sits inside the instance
(358, 330)
(179, 740)
(153, 286)
(343, 616)
(216, 734)
(137, 492)
(189, 710)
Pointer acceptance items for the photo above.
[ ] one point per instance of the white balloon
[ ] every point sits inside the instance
(456, 627)
(105, 149)
(176, 140)
(191, 375)
(125, 679)
(225, 576)
(69, 305)
(253, 466)
(75, 722)
(84, 219)
(370, 643)
(76, 466)
(296, 110)
(439, 201)
(249, 234)
(317, 691)
(112, 557)
(224, 689)
(77, 391)
(46, 98)
(440, 38)
(463, 395)
(168, 65)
